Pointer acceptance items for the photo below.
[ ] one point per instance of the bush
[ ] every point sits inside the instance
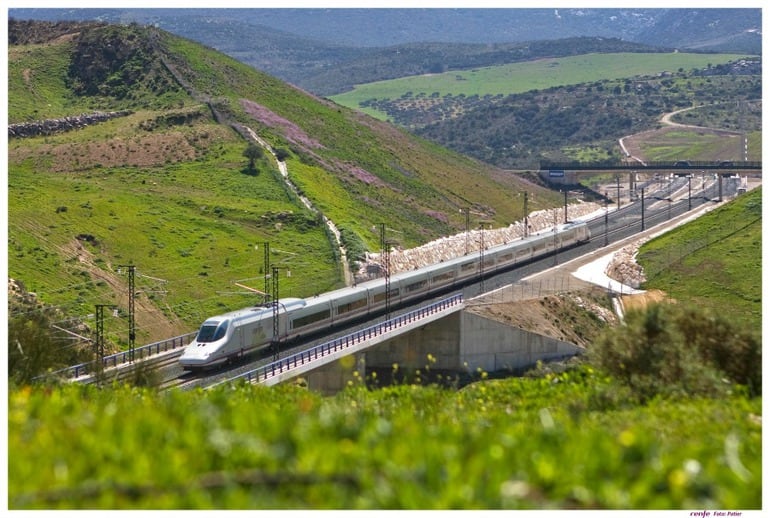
(281, 154)
(33, 349)
(670, 350)
(354, 245)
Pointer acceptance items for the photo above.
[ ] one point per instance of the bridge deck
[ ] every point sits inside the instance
(636, 166)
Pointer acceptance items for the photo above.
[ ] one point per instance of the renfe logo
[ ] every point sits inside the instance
(707, 514)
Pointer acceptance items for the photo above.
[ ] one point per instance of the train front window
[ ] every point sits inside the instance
(211, 332)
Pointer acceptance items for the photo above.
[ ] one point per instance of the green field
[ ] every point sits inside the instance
(674, 144)
(530, 75)
(715, 263)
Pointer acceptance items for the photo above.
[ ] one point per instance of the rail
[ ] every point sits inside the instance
(273, 369)
(122, 357)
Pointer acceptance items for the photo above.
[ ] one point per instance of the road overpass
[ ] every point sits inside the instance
(567, 173)
(677, 165)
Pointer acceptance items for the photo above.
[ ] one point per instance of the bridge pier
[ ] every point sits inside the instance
(447, 337)
(334, 377)
(461, 342)
(491, 346)
(439, 339)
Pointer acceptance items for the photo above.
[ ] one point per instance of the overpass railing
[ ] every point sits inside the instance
(122, 357)
(546, 165)
(318, 352)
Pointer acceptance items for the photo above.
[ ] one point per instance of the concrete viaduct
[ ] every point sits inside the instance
(443, 336)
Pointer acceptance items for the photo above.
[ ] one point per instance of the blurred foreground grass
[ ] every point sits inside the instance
(560, 441)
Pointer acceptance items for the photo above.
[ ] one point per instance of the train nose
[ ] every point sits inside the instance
(194, 355)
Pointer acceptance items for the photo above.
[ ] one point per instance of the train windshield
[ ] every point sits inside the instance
(211, 332)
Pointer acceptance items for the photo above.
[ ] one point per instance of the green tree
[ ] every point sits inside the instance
(253, 152)
(281, 154)
(33, 349)
(668, 349)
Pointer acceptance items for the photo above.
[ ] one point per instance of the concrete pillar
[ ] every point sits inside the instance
(439, 339)
(334, 377)
(491, 346)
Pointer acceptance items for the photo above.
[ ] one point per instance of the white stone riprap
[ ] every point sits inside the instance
(449, 247)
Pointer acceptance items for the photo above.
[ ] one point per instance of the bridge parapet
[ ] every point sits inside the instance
(176, 343)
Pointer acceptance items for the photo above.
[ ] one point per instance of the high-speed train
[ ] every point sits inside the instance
(233, 334)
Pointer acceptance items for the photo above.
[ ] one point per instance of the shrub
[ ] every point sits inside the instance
(281, 154)
(356, 249)
(670, 350)
(33, 349)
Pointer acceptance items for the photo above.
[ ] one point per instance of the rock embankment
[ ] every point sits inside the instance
(449, 247)
(624, 268)
(51, 126)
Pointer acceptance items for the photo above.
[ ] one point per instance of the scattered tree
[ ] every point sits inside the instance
(281, 154)
(253, 152)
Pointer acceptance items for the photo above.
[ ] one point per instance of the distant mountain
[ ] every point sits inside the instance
(687, 28)
(327, 50)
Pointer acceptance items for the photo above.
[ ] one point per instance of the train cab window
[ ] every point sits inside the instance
(211, 332)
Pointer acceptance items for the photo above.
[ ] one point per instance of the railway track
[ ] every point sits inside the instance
(616, 226)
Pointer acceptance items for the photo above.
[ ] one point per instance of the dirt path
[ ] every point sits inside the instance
(630, 145)
(148, 316)
(308, 204)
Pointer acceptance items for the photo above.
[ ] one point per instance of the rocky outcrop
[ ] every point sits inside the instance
(51, 126)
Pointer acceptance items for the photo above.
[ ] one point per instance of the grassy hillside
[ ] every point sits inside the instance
(167, 187)
(538, 74)
(714, 262)
(555, 117)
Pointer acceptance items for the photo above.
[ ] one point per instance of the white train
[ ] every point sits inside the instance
(230, 335)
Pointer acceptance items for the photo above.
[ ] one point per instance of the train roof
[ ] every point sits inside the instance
(257, 311)
(324, 299)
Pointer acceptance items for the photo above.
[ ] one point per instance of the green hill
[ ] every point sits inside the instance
(713, 263)
(560, 107)
(535, 74)
(164, 184)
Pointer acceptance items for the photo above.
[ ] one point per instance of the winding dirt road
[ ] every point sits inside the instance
(631, 148)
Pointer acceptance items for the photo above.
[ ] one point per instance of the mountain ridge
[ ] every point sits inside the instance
(382, 27)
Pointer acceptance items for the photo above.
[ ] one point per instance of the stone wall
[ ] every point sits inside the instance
(51, 126)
